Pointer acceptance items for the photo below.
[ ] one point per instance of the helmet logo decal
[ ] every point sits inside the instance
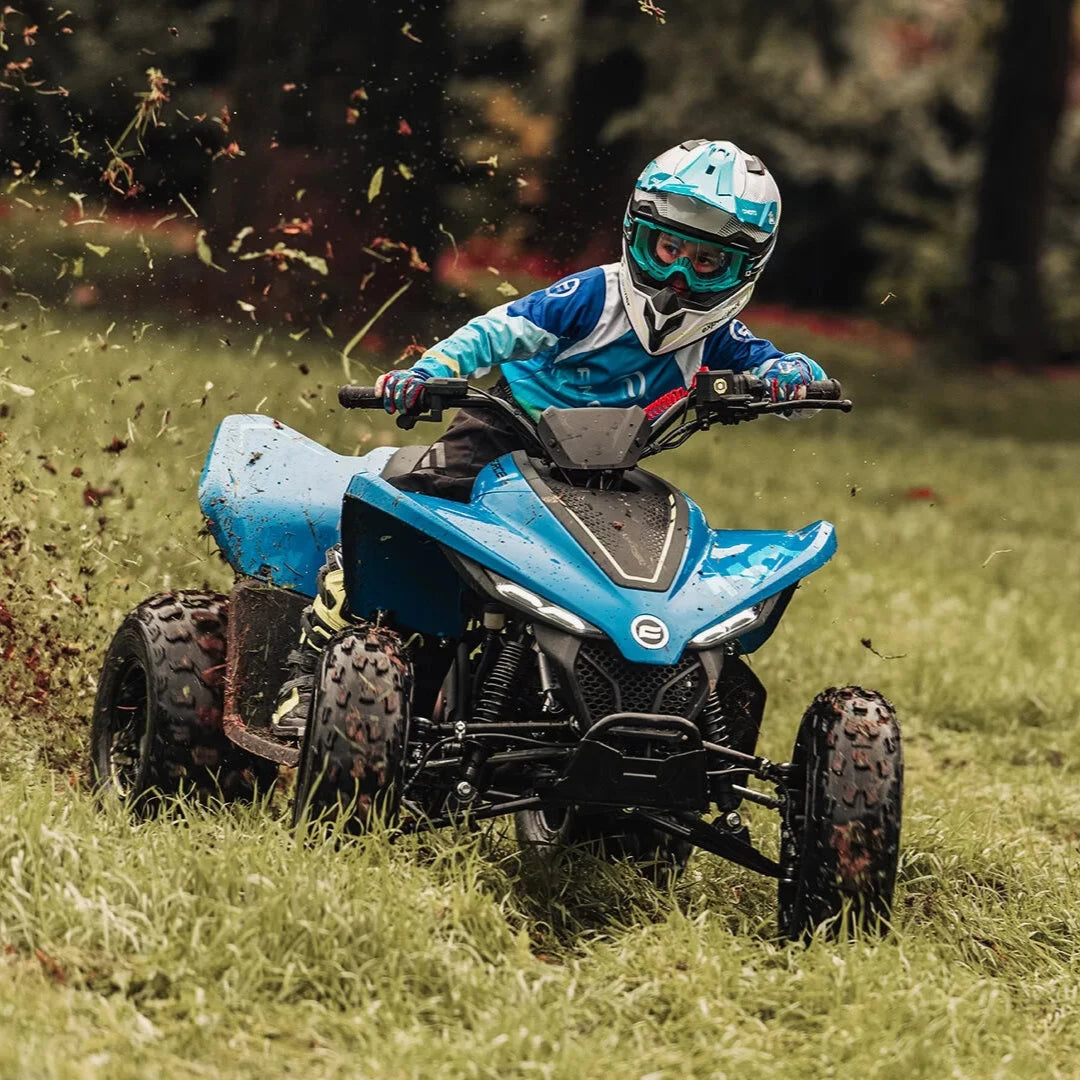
(649, 632)
(564, 288)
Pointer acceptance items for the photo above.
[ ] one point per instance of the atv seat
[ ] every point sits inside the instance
(403, 461)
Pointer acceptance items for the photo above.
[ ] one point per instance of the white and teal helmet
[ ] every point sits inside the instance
(700, 192)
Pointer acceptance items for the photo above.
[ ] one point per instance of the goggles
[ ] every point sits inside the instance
(663, 253)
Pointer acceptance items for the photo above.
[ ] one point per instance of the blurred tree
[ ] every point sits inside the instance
(338, 110)
(516, 129)
(1008, 310)
(868, 115)
(592, 174)
(84, 70)
(509, 102)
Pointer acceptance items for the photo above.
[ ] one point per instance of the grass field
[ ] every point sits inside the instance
(212, 944)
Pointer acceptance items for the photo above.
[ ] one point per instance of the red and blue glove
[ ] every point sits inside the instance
(786, 377)
(401, 389)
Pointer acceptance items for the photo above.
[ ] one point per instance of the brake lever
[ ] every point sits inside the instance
(842, 405)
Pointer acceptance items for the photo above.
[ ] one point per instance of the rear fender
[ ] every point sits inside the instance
(273, 499)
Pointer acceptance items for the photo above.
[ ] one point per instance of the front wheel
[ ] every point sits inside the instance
(840, 836)
(352, 760)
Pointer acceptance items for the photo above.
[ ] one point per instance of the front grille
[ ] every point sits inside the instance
(609, 683)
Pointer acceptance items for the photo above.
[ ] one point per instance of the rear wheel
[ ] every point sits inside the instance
(541, 834)
(157, 724)
(840, 839)
(353, 754)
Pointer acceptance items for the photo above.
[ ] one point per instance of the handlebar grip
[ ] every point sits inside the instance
(824, 390)
(359, 397)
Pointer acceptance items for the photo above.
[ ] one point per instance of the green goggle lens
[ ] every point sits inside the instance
(651, 245)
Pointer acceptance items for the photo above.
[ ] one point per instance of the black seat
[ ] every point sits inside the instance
(403, 461)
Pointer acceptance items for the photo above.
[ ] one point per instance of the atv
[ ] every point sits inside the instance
(567, 647)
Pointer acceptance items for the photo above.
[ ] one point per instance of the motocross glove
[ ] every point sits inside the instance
(401, 389)
(786, 377)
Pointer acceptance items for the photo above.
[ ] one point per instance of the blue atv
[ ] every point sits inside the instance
(566, 647)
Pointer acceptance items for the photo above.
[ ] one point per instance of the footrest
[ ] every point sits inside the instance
(260, 742)
(637, 759)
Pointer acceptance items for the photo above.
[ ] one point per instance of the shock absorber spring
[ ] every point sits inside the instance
(498, 686)
(713, 723)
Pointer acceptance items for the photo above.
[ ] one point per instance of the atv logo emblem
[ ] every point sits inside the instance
(649, 632)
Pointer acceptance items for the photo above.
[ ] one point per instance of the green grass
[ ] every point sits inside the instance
(213, 944)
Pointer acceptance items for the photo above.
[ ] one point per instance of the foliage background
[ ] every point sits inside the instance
(505, 136)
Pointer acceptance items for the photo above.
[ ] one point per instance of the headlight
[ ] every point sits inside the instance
(728, 628)
(734, 625)
(527, 601)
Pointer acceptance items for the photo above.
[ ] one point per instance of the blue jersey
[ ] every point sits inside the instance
(572, 345)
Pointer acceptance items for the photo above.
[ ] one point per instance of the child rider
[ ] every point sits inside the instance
(700, 226)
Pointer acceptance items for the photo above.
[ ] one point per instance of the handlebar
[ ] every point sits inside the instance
(823, 390)
(717, 397)
(724, 387)
(729, 388)
(435, 395)
(359, 397)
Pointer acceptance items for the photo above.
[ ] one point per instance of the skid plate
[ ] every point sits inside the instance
(637, 759)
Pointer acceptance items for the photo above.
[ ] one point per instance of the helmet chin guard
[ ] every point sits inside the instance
(712, 193)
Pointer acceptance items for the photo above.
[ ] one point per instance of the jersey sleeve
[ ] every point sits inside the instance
(735, 348)
(551, 318)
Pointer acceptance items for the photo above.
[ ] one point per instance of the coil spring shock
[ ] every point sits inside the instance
(497, 687)
(714, 725)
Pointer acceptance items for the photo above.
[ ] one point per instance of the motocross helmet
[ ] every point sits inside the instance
(700, 226)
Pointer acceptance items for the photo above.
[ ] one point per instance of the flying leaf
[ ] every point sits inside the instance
(649, 8)
(206, 256)
(144, 247)
(101, 250)
(15, 388)
(280, 252)
(506, 289)
(376, 184)
(405, 170)
(238, 239)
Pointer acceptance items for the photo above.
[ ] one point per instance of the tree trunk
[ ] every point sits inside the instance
(1008, 313)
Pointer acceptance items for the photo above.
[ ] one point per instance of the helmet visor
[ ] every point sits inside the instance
(663, 253)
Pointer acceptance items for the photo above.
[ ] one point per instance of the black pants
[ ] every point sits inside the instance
(475, 437)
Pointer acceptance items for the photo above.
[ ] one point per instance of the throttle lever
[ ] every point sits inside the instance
(436, 394)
